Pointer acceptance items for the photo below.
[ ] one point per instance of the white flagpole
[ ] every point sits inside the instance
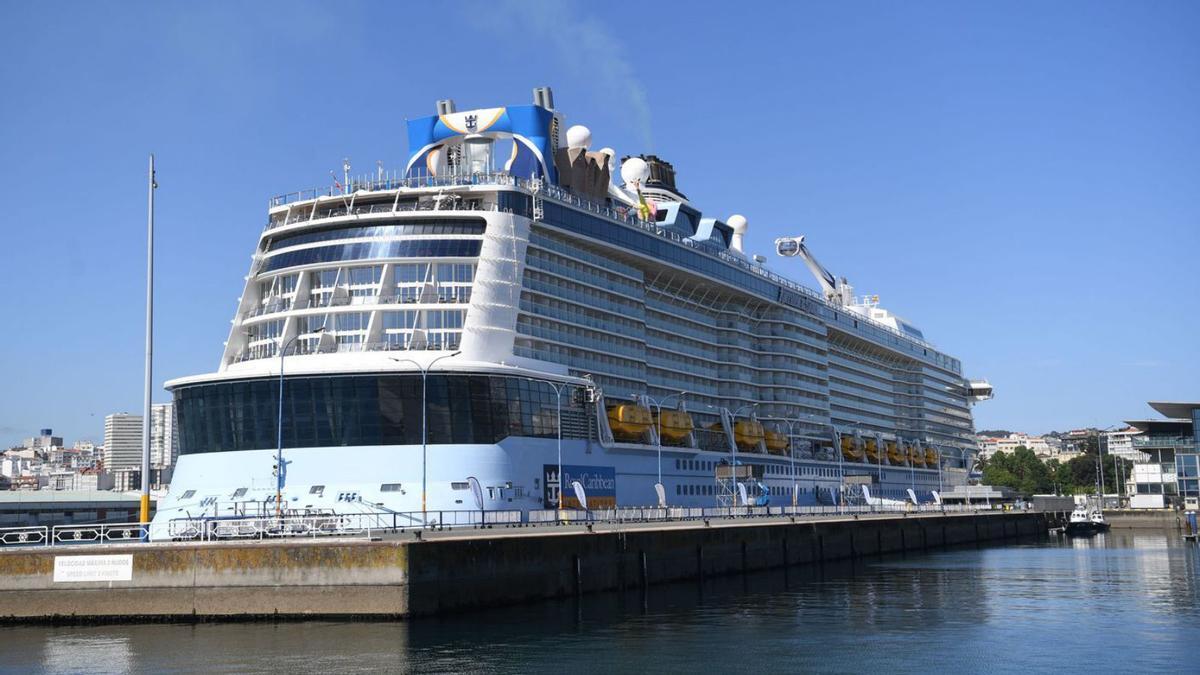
(145, 511)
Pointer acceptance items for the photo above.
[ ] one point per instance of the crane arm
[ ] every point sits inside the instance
(791, 247)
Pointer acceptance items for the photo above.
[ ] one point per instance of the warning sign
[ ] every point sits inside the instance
(68, 568)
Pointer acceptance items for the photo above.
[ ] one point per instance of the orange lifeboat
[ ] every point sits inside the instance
(850, 449)
(777, 443)
(676, 425)
(747, 434)
(915, 456)
(872, 450)
(629, 422)
(931, 457)
(893, 453)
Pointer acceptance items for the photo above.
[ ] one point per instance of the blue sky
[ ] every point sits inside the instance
(1017, 179)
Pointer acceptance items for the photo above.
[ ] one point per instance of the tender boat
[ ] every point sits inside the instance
(1086, 521)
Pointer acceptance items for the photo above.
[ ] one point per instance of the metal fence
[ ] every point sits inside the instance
(367, 525)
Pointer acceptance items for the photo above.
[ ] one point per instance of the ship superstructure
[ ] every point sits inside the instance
(514, 312)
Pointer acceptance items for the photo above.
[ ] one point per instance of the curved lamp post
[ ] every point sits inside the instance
(658, 406)
(279, 470)
(424, 428)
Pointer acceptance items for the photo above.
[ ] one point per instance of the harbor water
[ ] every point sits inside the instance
(1123, 601)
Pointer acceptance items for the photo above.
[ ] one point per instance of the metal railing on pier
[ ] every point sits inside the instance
(369, 525)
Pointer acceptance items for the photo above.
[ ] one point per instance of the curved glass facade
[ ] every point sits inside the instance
(409, 248)
(408, 227)
(355, 410)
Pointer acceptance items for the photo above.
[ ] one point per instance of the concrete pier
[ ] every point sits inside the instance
(403, 576)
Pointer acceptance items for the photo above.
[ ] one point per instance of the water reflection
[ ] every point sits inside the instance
(1078, 603)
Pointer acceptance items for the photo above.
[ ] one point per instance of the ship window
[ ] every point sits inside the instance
(317, 490)
(188, 494)
(409, 248)
(240, 492)
(351, 410)
(390, 487)
(408, 228)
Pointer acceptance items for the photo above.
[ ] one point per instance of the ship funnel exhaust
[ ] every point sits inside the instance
(544, 97)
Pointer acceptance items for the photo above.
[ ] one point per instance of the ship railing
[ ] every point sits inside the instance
(306, 214)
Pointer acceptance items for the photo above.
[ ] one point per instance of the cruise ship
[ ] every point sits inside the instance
(517, 322)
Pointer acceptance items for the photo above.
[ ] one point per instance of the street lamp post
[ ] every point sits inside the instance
(658, 407)
(879, 450)
(1100, 461)
(791, 427)
(279, 470)
(733, 437)
(558, 390)
(424, 427)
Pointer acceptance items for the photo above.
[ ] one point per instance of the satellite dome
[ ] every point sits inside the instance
(579, 136)
(738, 224)
(635, 169)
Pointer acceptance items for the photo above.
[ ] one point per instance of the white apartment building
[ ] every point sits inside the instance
(1120, 443)
(164, 442)
(122, 441)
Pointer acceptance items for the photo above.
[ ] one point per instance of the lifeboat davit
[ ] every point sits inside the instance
(850, 449)
(777, 443)
(931, 457)
(629, 422)
(915, 456)
(676, 425)
(893, 453)
(872, 450)
(747, 434)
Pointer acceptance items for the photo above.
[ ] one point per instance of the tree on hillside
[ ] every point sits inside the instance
(1021, 471)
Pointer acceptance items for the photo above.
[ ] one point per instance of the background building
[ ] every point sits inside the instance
(1120, 443)
(164, 443)
(122, 441)
(44, 439)
(1168, 471)
(1039, 446)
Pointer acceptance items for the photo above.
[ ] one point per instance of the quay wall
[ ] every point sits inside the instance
(1157, 519)
(443, 572)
